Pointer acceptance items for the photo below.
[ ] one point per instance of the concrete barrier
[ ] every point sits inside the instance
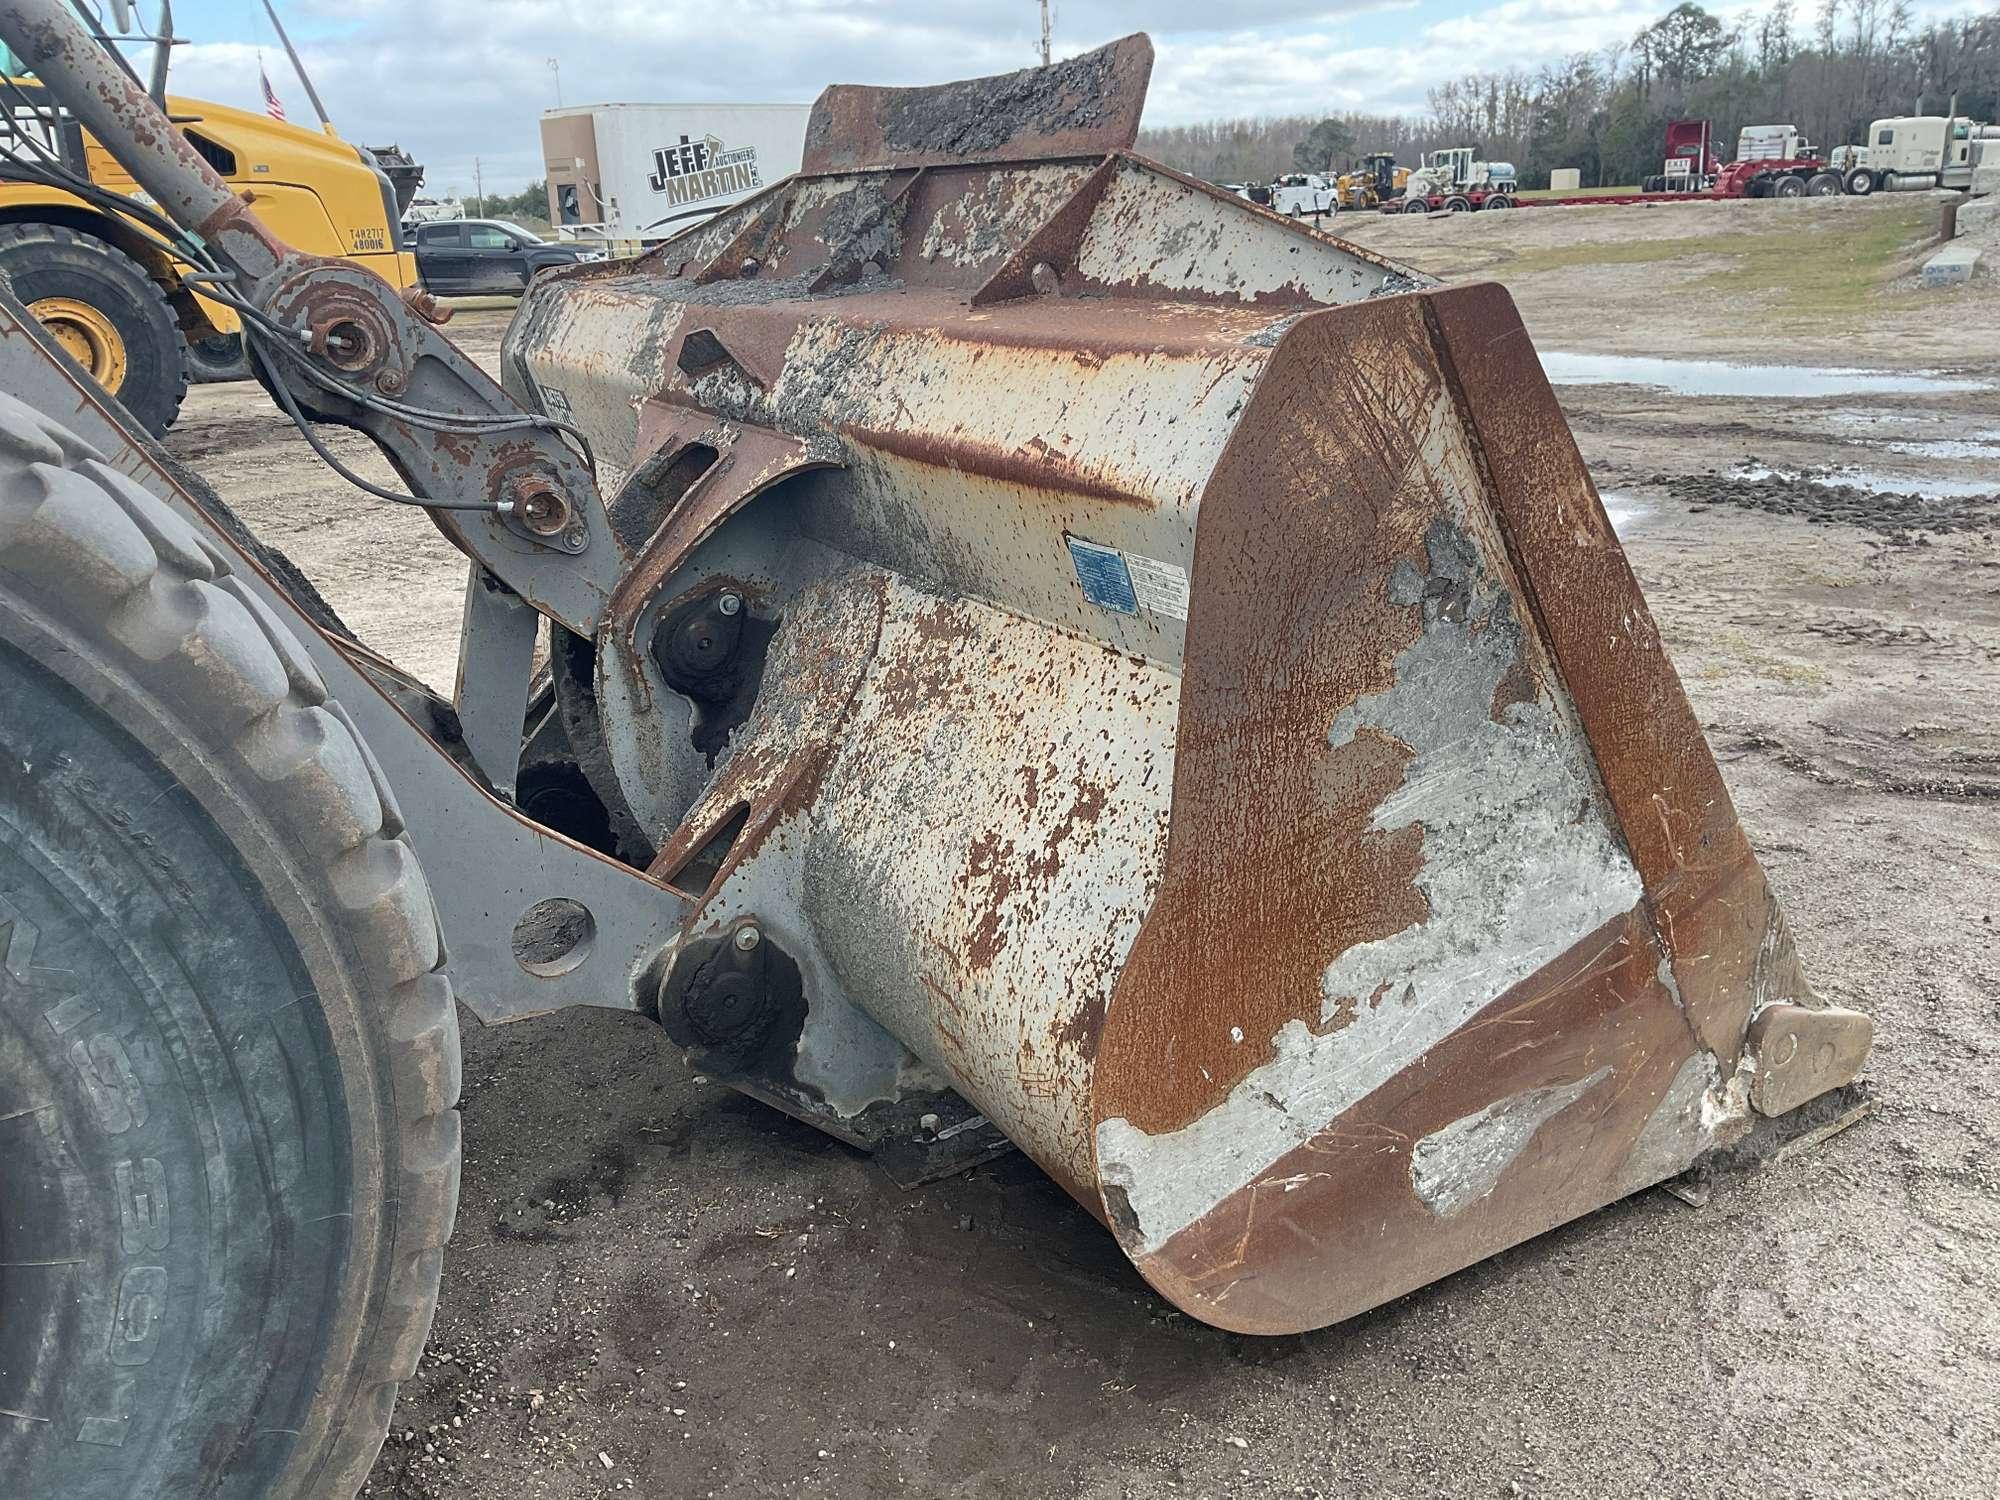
(1986, 180)
(1978, 216)
(1565, 179)
(1951, 266)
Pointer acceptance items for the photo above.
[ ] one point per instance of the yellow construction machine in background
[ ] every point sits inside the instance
(1374, 181)
(108, 290)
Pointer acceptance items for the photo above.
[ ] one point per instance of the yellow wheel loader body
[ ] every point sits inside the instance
(316, 191)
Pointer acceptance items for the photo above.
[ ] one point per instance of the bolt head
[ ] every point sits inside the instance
(730, 603)
(1045, 278)
(751, 266)
(928, 1124)
(747, 939)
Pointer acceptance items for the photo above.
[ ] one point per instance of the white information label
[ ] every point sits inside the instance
(1161, 587)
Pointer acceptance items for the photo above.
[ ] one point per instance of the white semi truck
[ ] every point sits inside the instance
(632, 174)
(1914, 152)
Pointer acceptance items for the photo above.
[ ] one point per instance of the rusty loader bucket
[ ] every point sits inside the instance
(1163, 675)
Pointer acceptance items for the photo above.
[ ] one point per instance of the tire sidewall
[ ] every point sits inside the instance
(352, 1209)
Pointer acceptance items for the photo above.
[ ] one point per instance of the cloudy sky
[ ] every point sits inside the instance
(451, 80)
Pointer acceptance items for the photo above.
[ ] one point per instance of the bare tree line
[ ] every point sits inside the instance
(1605, 113)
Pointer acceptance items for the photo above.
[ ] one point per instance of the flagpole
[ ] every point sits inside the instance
(298, 67)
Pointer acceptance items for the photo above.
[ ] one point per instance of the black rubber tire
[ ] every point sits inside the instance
(1416, 206)
(1789, 186)
(228, 1050)
(48, 260)
(1861, 182)
(1760, 187)
(1499, 201)
(218, 357)
(1458, 203)
(1823, 185)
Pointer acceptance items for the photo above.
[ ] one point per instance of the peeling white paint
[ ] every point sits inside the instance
(1162, 233)
(1519, 865)
(1454, 1167)
(1664, 972)
(1699, 1111)
(997, 213)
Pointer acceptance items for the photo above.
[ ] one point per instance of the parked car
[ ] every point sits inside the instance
(472, 256)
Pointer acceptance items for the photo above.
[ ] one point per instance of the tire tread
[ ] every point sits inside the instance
(82, 242)
(108, 559)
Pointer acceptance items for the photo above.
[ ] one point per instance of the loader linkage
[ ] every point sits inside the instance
(1067, 658)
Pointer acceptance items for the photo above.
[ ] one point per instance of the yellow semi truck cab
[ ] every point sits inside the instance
(115, 300)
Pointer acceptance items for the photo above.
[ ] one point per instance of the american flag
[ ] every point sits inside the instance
(271, 105)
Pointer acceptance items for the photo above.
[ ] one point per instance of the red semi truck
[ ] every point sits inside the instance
(1691, 164)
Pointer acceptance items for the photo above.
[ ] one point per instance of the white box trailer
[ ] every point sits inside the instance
(632, 174)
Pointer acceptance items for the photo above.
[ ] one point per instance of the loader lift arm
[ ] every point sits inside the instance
(335, 343)
(340, 345)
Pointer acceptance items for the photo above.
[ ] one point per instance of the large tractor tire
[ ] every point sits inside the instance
(105, 311)
(218, 357)
(228, 1052)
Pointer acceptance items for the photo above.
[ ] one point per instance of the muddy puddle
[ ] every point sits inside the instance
(1625, 511)
(1702, 377)
(1889, 504)
(1984, 446)
(1876, 481)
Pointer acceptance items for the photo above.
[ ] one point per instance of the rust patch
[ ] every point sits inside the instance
(784, 750)
(1055, 242)
(1704, 885)
(1037, 472)
(989, 862)
(1272, 868)
(1082, 106)
(752, 460)
(1333, 1228)
(1517, 686)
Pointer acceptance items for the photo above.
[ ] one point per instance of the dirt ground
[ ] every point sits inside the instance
(659, 1288)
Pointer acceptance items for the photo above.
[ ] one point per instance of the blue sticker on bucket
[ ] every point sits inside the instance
(1103, 576)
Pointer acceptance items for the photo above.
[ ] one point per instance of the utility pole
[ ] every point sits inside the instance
(1045, 33)
(555, 67)
(478, 192)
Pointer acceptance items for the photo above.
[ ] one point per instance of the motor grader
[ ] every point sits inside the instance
(1039, 654)
(1375, 180)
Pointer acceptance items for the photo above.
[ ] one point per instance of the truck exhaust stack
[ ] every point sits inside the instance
(1165, 674)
